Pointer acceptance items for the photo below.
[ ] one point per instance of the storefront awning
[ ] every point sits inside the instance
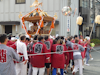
(10, 23)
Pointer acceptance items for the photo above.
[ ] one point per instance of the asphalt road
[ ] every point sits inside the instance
(94, 68)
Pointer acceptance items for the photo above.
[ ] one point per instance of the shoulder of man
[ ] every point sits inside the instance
(23, 43)
(9, 49)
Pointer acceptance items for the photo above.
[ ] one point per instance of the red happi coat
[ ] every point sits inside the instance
(48, 44)
(10, 43)
(39, 60)
(73, 41)
(82, 53)
(71, 53)
(58, 59)
(13, 46)
(51, 41)
(66, 54)
(85, 45)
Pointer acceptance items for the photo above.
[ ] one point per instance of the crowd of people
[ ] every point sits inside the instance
(41, 55)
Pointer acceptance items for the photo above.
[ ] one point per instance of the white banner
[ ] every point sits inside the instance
(68, 23)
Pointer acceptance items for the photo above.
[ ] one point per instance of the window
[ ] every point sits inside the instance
(91, 4)
(85, 3)
(20, 1)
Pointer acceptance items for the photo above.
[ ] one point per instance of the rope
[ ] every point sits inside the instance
(55, 52)
(49, 53)
(96, 50)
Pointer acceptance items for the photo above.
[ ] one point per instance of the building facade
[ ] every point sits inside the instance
(10, 22)
(89, 9)
(84, 10)
(97, 12)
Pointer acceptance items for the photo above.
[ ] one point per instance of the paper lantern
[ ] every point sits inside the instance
(79, 20)
(97, 19)
(66, 10)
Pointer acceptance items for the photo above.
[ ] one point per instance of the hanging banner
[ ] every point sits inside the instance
(68, 24)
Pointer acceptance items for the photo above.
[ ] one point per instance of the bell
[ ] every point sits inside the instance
(97, 19)
(79, 20)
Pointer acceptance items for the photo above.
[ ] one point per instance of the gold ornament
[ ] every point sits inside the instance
(44, 13)
(55, 16)
(28, 15)
(36, 4)
(20, 15)
(34, 13)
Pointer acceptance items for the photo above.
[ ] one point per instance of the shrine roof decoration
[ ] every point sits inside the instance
(38, 20)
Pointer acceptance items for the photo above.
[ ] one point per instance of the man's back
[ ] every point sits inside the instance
(7, 55)
(21, 48)
(39, 47)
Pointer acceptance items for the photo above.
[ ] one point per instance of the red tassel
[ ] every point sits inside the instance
(22, 26)
(52, 25)
(42, 24)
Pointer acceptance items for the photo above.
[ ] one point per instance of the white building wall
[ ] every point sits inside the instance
(9, 11)
(63, 19)
(74, 4)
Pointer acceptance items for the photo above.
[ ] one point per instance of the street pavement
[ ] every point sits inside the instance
(94, 68)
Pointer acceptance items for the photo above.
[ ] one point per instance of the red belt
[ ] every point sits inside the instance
(23, 59)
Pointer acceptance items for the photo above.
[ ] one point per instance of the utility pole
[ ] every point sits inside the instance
(68, 2)
(93, 8)
(94, 17)
(69, 19)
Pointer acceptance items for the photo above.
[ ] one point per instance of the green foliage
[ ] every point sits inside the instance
(95, 41)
